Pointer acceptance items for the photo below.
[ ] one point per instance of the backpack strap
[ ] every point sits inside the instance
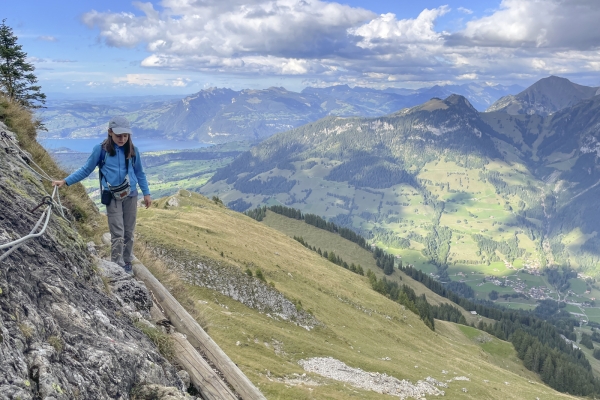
(100, 164)
(102, 161)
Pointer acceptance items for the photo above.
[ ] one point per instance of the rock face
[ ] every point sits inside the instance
(63, 334)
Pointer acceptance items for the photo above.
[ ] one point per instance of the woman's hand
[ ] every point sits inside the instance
(147, 200)
(59, 183)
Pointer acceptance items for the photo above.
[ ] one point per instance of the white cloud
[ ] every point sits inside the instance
(48, 38)
(538, 64)
(151, 80)
(387, 30)
(232, 28)
(36, 60)
(331, 42)
(538, 23)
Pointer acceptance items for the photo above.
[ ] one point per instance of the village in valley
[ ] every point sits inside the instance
(525, 287)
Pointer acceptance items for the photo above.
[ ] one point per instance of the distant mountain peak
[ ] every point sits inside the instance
(544, 97)
(457, 99)
(454, 101)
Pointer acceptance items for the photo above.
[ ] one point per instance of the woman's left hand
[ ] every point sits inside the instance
(147, 200)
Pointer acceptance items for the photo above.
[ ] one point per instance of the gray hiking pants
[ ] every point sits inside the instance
(121, 223)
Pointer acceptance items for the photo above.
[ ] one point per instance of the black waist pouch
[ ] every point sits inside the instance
(106, 197)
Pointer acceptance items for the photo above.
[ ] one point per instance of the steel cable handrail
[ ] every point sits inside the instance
(17, 243)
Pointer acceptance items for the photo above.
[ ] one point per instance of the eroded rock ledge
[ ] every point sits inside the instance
(232, 282)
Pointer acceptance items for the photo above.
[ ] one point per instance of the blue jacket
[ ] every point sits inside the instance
(113, 170)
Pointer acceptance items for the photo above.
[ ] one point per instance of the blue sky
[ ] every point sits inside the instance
(182, 46)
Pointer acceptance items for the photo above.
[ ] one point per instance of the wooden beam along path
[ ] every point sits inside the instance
(187, 325)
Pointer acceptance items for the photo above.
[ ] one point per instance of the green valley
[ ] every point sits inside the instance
(480, 198)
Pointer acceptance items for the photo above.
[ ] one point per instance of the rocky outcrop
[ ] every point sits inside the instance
(66, 332)
(232, 282)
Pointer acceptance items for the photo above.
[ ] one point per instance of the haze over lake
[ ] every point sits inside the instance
(144, 144)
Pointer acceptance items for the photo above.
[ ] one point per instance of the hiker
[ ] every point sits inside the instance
(120, 170)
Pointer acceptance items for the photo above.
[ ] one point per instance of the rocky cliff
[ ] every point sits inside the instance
(68, 321)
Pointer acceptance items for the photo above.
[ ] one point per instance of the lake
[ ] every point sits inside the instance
(144, 144)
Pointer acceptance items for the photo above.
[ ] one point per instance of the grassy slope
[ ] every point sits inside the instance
(361, 326)
(352, 253)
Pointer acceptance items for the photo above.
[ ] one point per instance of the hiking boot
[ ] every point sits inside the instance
(127, 267)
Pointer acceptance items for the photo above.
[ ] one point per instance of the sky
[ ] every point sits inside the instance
(117, 47)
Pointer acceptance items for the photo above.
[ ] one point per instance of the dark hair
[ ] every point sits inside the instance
(109, 146)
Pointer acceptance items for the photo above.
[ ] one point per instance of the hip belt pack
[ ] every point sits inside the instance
(121, 191)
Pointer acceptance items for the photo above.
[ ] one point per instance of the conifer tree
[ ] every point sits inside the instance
(548, 371)
(17, 80)
(528, 359)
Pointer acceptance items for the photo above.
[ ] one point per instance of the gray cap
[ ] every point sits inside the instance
(119, 125)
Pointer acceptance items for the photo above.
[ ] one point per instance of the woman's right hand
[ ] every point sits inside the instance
(59, 183)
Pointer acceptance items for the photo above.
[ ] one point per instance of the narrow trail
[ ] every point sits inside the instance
(547, 217)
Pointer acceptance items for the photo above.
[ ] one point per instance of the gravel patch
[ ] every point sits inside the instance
(381, 383)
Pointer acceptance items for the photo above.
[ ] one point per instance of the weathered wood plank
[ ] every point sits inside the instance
(187, 325)
(201, 374)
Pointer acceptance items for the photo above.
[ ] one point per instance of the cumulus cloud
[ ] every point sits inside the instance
(282, 28)
(537, 23)
(386, 30)
(331, 42)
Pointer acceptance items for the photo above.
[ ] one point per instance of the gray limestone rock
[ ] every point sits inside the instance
(185, 378)
(232, 282)
(92, 248)
(123, 285)
(173, 202)
(158, 392)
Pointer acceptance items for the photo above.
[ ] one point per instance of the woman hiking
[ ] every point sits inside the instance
(120, 170)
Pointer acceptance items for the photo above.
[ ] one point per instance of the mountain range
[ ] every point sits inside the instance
(222, 115)
(441, 183)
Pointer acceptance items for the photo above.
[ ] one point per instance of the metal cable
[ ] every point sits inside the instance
(49, 200)
(17, 243)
